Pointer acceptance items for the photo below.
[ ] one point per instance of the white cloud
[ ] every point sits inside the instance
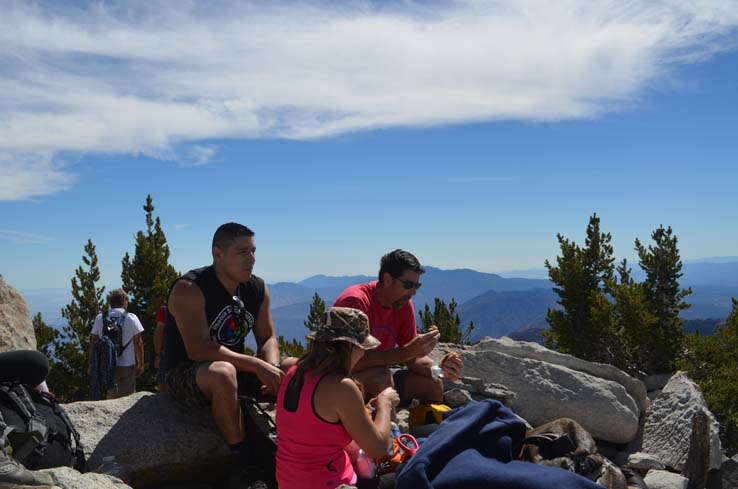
(19, 237)
(160, 77)
(24, 175)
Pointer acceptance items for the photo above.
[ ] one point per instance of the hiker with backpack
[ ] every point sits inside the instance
(116, 350)
(321, 415)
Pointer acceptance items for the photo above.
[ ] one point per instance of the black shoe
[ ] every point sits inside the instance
(249, 478)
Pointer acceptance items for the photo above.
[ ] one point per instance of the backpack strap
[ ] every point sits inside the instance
(80, 464)
(121, 321)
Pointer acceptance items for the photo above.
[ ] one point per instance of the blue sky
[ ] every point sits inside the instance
(469, 132)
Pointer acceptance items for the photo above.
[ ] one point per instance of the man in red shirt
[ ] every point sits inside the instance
(388, 304)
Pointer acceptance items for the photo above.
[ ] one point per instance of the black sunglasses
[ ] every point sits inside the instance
(409, 284)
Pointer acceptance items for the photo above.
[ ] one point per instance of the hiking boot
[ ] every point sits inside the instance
(14, 476)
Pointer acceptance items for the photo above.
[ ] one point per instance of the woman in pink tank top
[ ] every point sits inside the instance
(320, 409)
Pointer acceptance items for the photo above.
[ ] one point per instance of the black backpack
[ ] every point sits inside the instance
(112, 328)
(37, 429)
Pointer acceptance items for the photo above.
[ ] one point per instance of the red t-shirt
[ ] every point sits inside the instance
(393, 327)
(161, 315)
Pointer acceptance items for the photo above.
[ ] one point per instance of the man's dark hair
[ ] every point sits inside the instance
(227, 233)
(117, 298)
(396, 262)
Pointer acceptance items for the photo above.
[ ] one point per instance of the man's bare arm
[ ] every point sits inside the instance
(416, 348)
(139, 349)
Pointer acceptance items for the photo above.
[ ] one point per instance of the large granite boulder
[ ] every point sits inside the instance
(68, 478)
(549, 385)
(152, 436)
(525, 349)
(16, 328)
(667, 428)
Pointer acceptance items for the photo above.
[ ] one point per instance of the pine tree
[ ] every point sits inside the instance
(290, 348)
(634, 322)
(580, 279)
(45, 337)
(315, 316)
(68, 376)
(147, 278)
(712, 362)
(447, 320)
(665, 299)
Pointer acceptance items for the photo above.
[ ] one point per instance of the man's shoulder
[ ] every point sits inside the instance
(256, 282)
(196, 273)
(363, 293)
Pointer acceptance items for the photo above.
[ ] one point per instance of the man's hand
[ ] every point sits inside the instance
(139, 370)
(452, 366)
(270, 376)
(422, 344)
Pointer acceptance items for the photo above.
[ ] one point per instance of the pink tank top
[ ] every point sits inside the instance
(310, 450)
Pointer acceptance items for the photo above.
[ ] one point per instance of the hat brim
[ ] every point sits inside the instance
(369, 343)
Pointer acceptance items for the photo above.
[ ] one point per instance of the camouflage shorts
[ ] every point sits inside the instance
(182, 384)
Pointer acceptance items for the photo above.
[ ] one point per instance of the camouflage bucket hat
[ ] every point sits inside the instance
(345, 324)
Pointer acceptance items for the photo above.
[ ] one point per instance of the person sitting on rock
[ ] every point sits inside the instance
(320, 408)
(211, 310)
(389, 307)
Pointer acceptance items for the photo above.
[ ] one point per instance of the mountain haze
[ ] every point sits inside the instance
(497, 305)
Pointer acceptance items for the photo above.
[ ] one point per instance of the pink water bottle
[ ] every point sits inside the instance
(366, 467)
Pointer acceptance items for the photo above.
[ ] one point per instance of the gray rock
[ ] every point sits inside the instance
(68, 478)
(661, 479)
(668, 424)
(546, 391)
(457, 397)
(656, 381)
(151, 436)
(524, 349)
(729, 473)
(640, 460)
(16, 328)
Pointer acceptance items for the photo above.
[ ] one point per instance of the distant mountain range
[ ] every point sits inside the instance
(497, 305)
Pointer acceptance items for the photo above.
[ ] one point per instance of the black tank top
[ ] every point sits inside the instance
(230, 318)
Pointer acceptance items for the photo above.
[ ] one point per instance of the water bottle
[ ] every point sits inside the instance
(394, 433)
(111, 467)
(394, 430)
(366, 467)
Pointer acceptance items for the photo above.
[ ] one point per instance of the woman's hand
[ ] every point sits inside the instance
(390, 396)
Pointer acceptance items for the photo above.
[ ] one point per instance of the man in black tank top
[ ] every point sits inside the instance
(211, 310)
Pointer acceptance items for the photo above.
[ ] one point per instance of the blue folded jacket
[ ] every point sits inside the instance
(473, 448)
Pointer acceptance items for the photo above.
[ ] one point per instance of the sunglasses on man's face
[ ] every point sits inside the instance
(409, 284)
